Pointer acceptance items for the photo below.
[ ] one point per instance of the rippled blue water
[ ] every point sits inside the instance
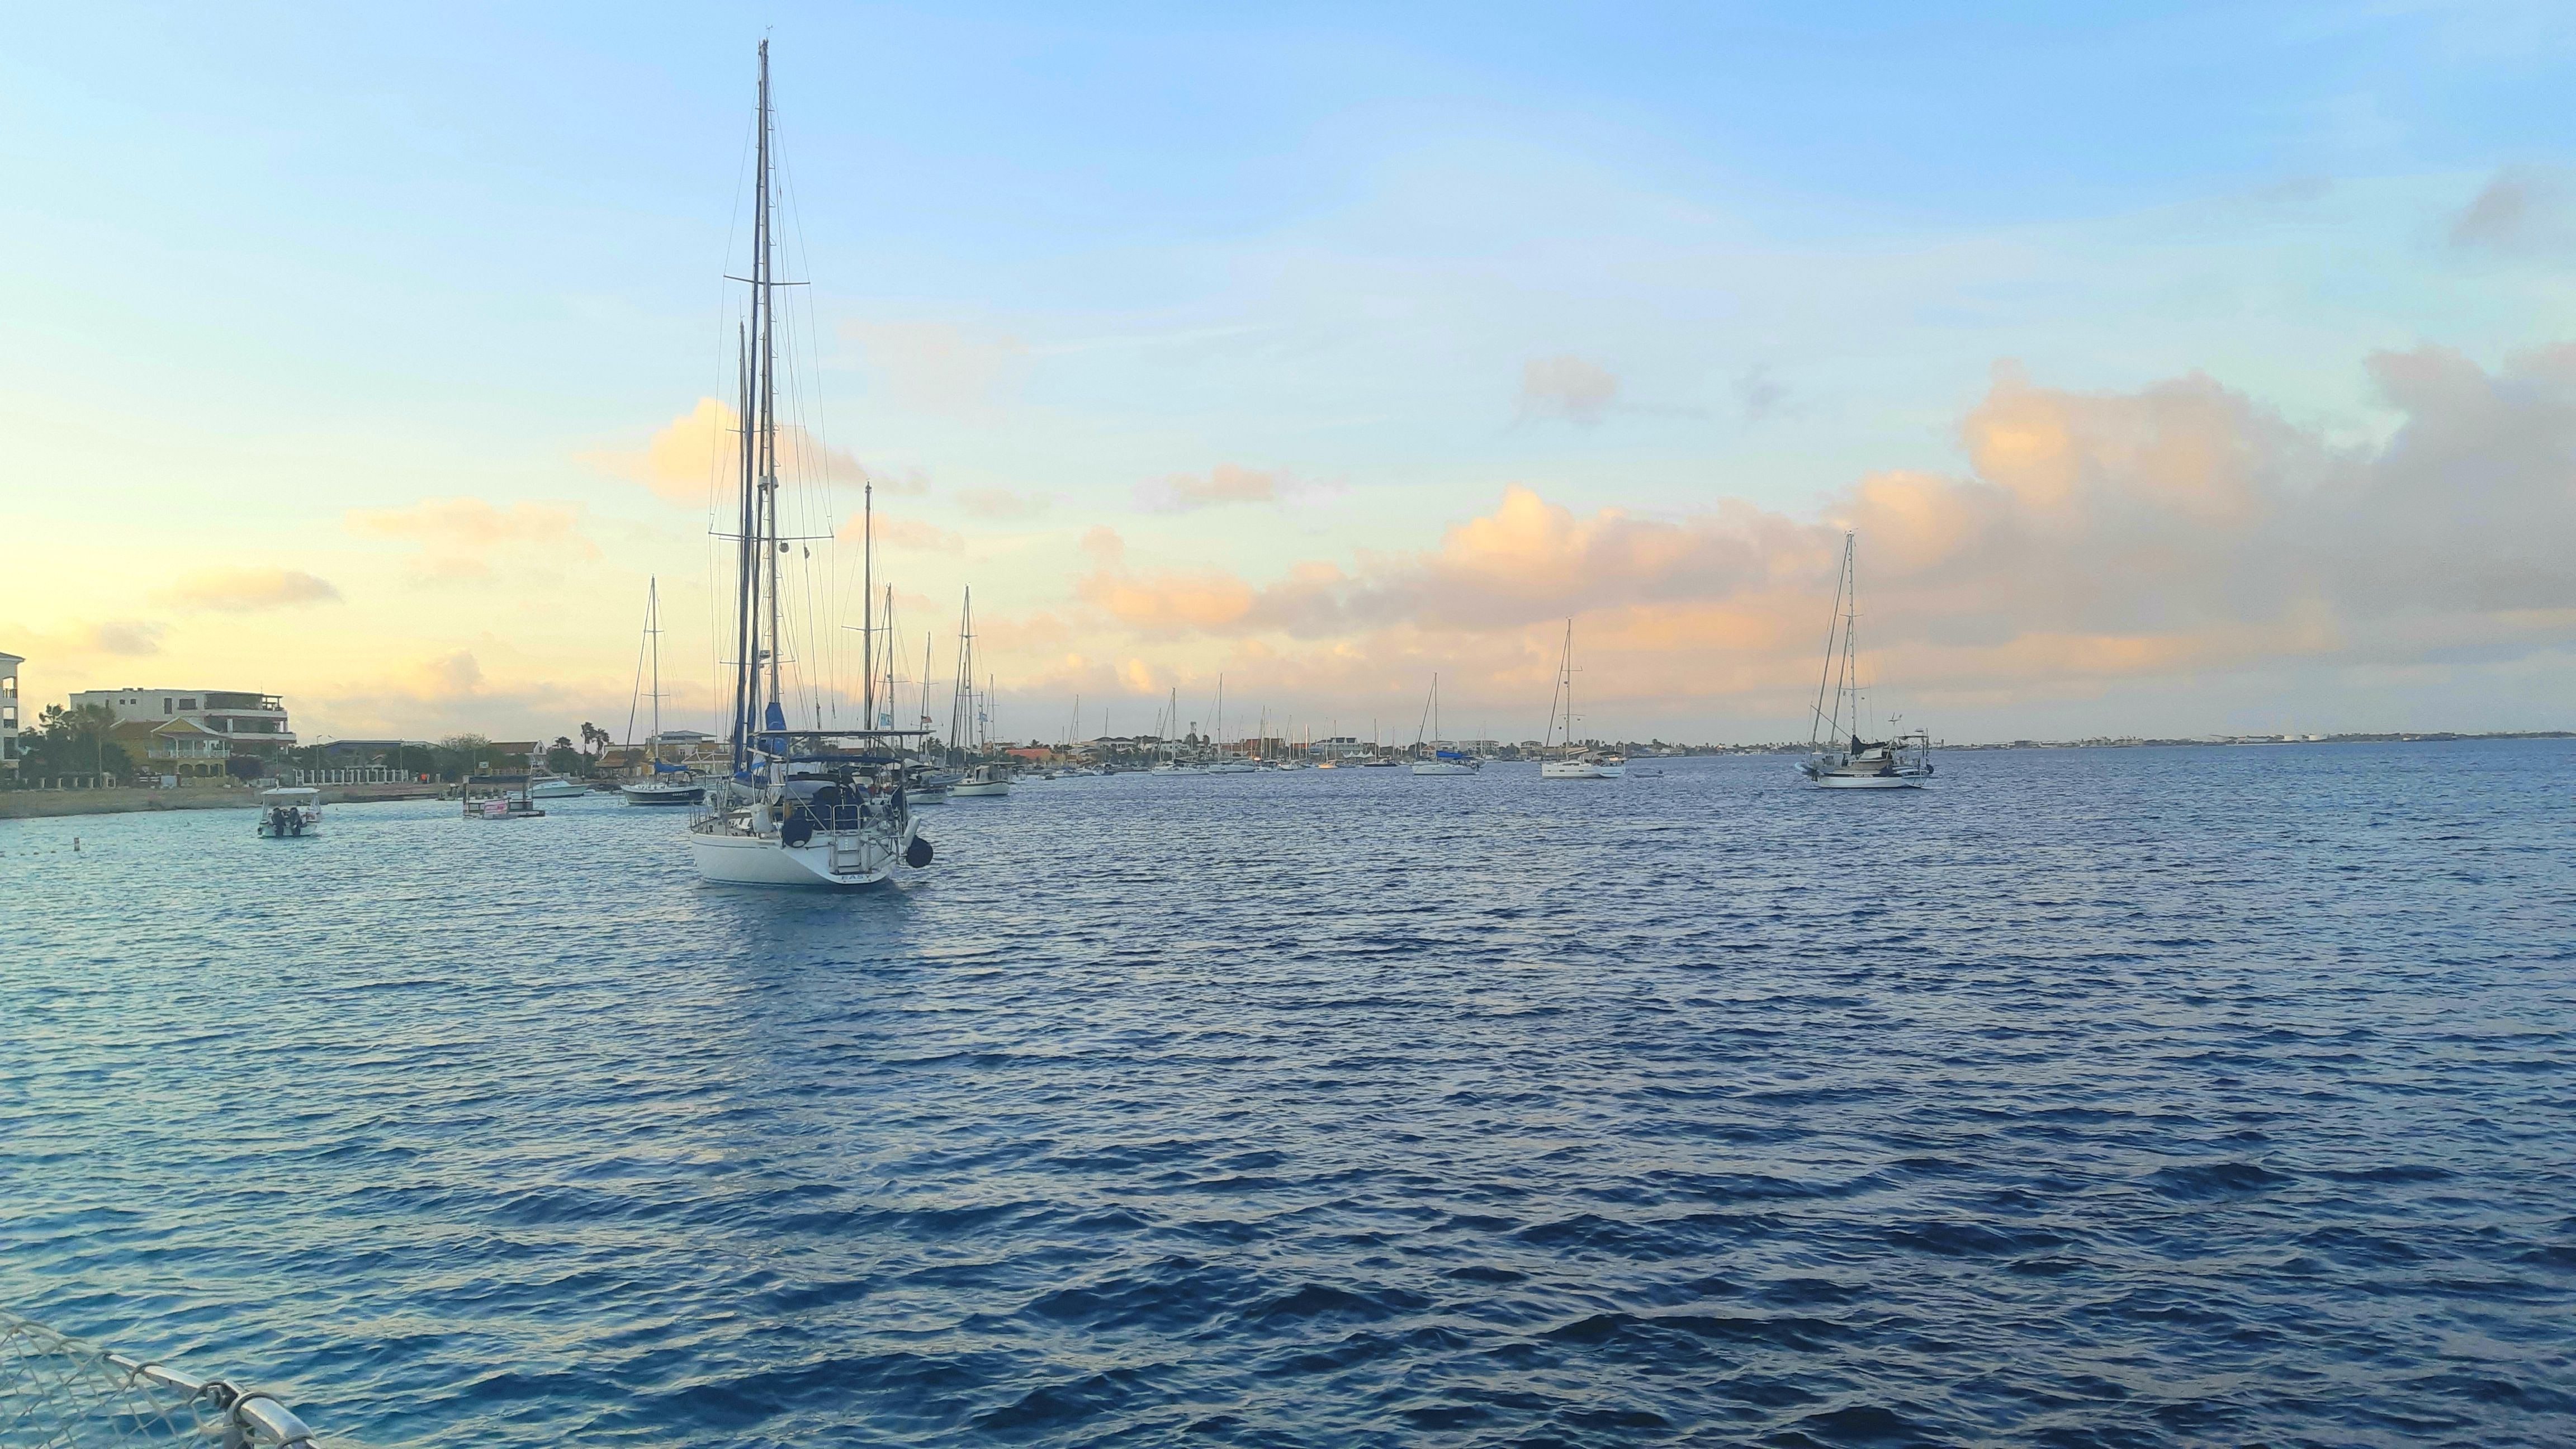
(2106, 1097)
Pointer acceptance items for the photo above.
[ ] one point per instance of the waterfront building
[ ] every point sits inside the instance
(1338, 747)
(9, 712)
(176, 749)
(254, 723)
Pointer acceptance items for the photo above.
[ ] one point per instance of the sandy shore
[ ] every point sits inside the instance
(37, 804)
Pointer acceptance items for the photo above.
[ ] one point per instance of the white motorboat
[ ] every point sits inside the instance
(1440, 761)
(983, 782)
(497, 797)
(798, 807)
(1838, 758)
(289, 811)
(555, 787)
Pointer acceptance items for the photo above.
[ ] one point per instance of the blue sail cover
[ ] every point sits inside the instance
(662, 769)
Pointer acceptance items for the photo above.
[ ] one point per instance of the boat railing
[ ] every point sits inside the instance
(59, 1390)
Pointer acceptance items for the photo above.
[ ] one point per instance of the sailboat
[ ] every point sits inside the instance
(662, 783)
(1442, 761)
(1225, 764)
(968, 720)
(1561, 758)
(930, 784)
(1837, 757)
(798, 807)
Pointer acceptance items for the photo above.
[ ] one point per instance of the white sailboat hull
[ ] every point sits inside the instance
(987, 790)
(1868, 782)
(1443, 767)
(764, 860)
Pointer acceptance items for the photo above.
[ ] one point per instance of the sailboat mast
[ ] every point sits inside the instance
(868, 606)
(746, 586)
(1818, 721)
(653, 629)
(765, 335)
(1851, 631)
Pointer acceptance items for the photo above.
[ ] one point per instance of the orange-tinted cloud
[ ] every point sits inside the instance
(247, 590)
(458, 538)
(2096, 536)
(697, 457)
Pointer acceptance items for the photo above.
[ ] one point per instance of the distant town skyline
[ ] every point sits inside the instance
(2185, 370)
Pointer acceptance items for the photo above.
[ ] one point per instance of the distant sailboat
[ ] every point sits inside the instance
(1560, 757)
(968, 720)
(663, 783)
(1838, 758)
(1442, 761)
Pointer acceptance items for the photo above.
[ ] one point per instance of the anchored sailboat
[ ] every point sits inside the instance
(662, 782)
(1837, 757)
(1560, 757)
(1443, 760)
(799, 807)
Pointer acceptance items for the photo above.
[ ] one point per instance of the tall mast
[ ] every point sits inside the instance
(1835, 622)
(868, 608)
(961, 703)
(765, 328)
(653, 629)
(746, 587)
(925, 687)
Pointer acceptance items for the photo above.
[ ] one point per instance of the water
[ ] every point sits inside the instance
(2095, 1098)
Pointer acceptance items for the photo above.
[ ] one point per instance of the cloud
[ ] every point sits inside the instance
(459, 537)
(998, 503)
(247, 590)
(907, 533)
(2520, 210)
(124, 638)
(937, 367)
(1758, 395)
(1225, 483)
(1566, 387)
(697, 457)
(2163, 533)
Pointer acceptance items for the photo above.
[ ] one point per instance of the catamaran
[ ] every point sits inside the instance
(799, 807)
(662, 782)
(1560, 757)
(1442, 761)
(1837, 757)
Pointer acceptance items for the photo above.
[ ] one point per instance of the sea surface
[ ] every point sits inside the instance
(2107, 1097)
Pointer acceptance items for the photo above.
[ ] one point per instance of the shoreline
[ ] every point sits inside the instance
(134, 799)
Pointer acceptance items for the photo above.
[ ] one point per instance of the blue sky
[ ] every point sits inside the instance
(262, 267)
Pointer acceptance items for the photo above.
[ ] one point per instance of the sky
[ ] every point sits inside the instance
(2182, 369)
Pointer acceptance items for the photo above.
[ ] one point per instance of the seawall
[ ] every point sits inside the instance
(38, 804)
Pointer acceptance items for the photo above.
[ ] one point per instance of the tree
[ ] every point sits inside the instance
(245, 767)
(594, 740)
(75, 741)
(563, 759)
(460, 754)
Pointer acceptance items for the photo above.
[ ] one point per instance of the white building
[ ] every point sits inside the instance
(9, 712)
(252, 720)
(1337, 747)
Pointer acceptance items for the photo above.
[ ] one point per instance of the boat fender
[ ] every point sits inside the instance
(917, 854)
(797, 831)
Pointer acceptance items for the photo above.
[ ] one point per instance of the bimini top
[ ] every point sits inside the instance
(291, 792)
